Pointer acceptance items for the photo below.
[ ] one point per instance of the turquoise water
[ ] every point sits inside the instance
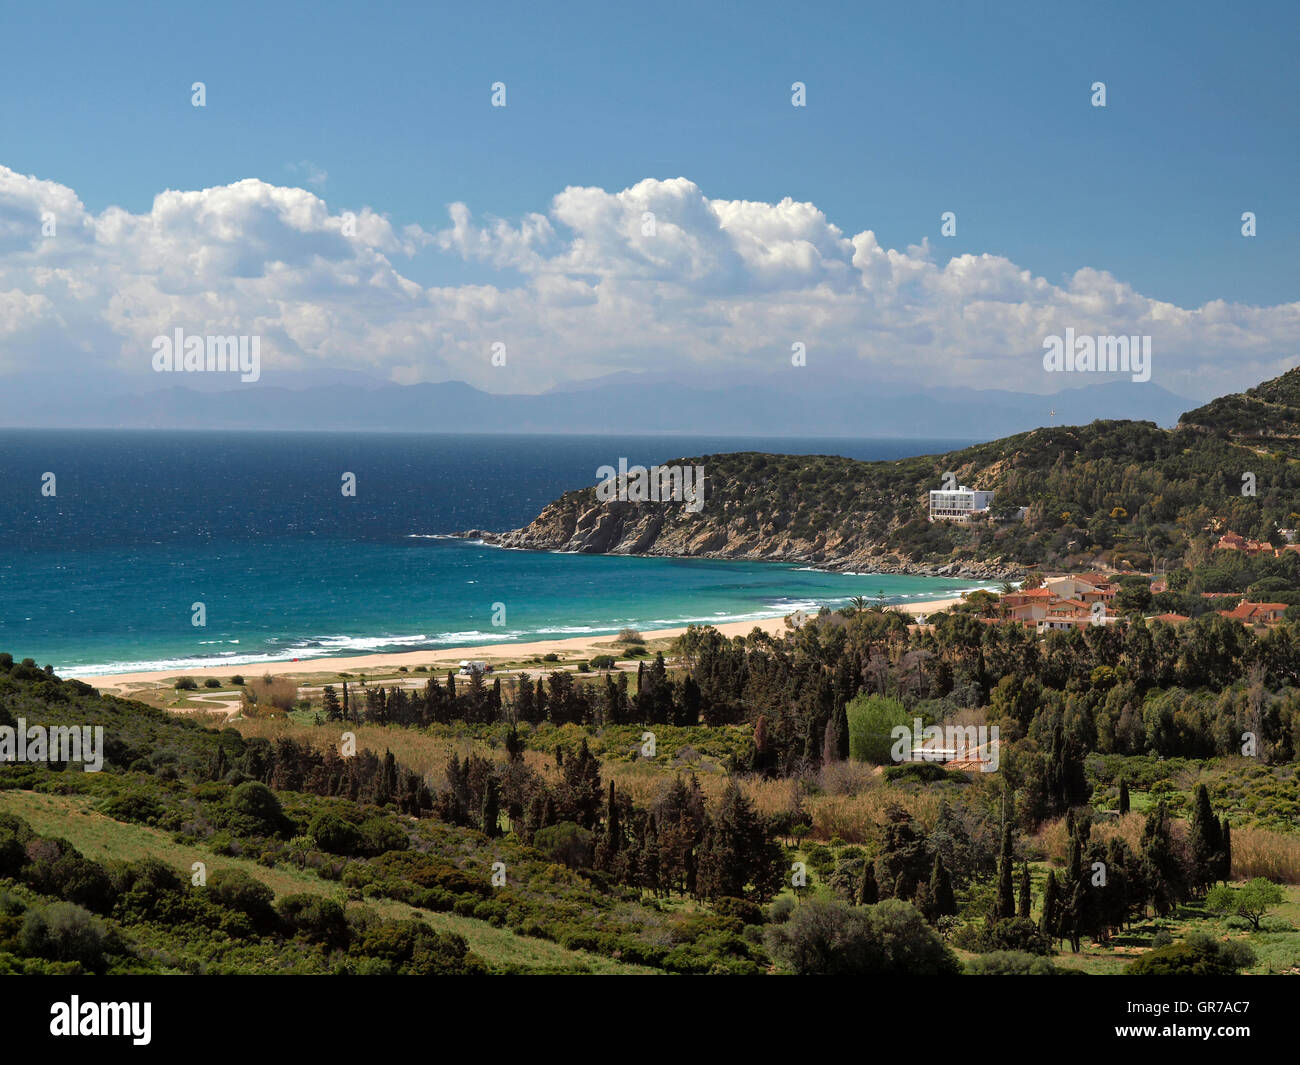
(104, 576)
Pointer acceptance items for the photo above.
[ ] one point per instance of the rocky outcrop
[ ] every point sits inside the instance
(578, 523)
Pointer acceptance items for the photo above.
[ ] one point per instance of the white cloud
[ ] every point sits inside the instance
(585, 288)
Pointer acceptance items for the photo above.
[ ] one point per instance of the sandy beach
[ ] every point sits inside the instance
(572, 648)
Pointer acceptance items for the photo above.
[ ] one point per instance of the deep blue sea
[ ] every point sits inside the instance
(102, 576)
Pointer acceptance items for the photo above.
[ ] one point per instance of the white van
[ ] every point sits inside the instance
(468, 667)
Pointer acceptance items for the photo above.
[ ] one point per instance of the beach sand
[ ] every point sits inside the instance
(573, 648)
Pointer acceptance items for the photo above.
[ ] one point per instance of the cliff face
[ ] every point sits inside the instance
(1109, 494)
(578, 522)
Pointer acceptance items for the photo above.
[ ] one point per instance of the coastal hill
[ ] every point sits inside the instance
(1125, 494)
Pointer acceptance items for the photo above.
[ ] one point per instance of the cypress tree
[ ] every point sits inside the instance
(830, 743)
(1006, 901)
(1225, 855)
(868, 893)
(1123, 797)
(1047, 924)
(842, 727)
(612, 830)
(1022, 906)
(491, 809)
(1205, 844)
(1074, 871)
(942, 901)
(649, 863)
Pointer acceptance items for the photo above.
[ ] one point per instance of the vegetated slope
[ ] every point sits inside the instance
(1264, 417)
(1110, 492)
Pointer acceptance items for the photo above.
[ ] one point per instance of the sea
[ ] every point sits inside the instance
(115, 543)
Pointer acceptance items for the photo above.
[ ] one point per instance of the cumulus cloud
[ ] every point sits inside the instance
(656, 276)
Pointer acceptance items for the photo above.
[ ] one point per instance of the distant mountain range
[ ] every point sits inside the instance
(621, 403)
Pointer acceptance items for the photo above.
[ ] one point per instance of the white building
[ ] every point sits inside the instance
(958, 504)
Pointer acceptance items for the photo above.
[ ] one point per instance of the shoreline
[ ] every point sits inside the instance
(576, 647)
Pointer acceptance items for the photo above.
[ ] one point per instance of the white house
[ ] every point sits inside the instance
(958, 504)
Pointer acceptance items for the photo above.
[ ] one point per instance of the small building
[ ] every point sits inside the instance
(958, 504)
(1256, 613)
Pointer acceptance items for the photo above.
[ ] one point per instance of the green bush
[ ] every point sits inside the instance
(63, 931)
(566, 843)
(871, 719)
(1010, 963)
(1198, 955)
(234, 889)
(332, 834)
(834, 938)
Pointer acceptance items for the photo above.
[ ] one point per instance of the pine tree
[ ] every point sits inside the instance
(346, 714)
(1123, 797)
(330, 703)
(942, 901)
(1023, 903)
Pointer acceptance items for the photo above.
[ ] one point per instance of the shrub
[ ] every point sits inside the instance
(833, 938)
(1197, 955)
(1010, 963)
(382, 834)
(332, 834)
(316, 919)
(603, 662)
(255, 809)
(236, 890)
(566, 843)
(212, 682)
(748, 912)
(186, 684)
(137, 806)
(63, 931)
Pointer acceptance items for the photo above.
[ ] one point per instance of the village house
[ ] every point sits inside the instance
(1255, 613)
(1230, 541)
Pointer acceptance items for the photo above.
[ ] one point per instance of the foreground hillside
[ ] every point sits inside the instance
(1113, 492)
(739, 808)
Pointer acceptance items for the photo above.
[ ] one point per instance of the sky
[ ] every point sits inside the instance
(774, 225)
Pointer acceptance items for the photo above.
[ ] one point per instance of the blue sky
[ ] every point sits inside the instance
(913, 109)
